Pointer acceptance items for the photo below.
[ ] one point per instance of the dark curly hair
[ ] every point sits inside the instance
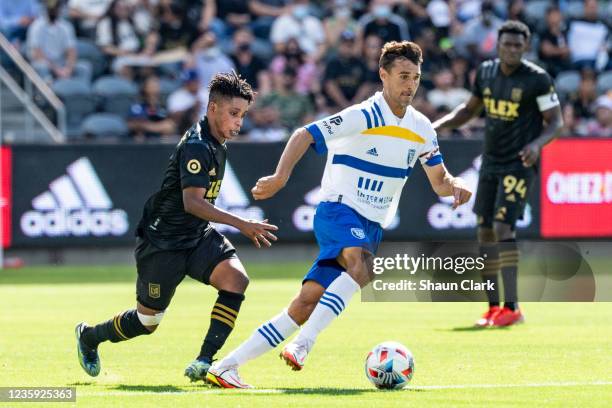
(514, 27)
(394, 50)
(230, 85)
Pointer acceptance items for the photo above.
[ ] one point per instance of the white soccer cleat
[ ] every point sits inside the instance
(294, 355)
(225, 377)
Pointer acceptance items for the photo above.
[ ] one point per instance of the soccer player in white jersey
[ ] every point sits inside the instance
(371, 149)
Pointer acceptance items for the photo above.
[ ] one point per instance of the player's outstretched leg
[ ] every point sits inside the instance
(124, 326)
(334, 300)
(266, 337)
(230, 278)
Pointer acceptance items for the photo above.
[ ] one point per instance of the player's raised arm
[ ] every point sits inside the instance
(297, 145)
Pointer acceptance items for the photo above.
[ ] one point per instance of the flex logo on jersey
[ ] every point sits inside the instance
(501, 109)
(213, 190)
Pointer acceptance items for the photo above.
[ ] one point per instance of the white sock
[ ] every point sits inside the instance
(265, 338)
(331, 304)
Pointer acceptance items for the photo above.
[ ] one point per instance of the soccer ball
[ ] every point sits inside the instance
(389, 365)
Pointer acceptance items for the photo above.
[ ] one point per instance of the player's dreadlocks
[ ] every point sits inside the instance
(394, 50)
(514, 27)
(230, 85)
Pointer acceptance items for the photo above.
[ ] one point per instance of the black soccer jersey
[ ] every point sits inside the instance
(513, 105)
(198, 161)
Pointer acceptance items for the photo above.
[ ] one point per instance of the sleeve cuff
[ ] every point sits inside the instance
(434, 161)
(319, 145)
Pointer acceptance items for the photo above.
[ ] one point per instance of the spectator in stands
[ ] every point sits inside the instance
(382, 22)
(460, 67)
(294, 109)
(588, 39)
(149, 118)
(208, 58)
(372, 48)
(340, 20)
(85, 15)
(297, 23)
(266, 126)
(441, 16)
(434, 58)
(188, 103)
(344, 74)
(480, 34)
(553, 51)
(601, 125)
(249, 66)
(264, 13)
(119, 39)
(52, 46)
(416, 13)
(229, 15)
(445, 95)
(307, 79)
(174, 30)
(585, 96)
(16, 17)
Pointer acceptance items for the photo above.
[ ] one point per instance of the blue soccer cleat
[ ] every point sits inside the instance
(88, 357)
(196, 371)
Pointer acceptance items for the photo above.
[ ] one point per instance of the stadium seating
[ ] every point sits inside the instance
(79, 101)
(104, 126)
(567, 82)
(115, 94)
(604, 82)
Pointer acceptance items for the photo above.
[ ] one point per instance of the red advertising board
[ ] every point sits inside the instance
(5, 195)
(576, 188)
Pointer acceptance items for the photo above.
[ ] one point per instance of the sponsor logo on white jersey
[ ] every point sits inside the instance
(76, 204)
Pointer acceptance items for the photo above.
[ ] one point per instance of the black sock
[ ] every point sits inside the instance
(490, 272)
(222, 321)
(122, 327)
(509, 256)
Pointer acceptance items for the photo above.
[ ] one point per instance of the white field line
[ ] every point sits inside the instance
(340, 390)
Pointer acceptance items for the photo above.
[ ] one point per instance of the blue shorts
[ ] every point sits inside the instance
(338, 226)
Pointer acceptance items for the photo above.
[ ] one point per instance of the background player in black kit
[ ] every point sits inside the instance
(175, 238)
(522, 115)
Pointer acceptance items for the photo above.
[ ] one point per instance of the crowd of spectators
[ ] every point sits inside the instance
(305, 59)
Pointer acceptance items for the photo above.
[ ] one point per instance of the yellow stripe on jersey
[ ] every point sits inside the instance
(394, 131)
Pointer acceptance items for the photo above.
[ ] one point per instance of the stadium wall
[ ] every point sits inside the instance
(92, 195)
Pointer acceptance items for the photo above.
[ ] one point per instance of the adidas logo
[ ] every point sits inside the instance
(75, 205)
(372, 152)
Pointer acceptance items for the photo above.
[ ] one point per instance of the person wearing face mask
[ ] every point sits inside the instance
(248, 65)
(480, 34)
(297, 22)
(340, 20)
(209, 59)
(51, 45)
(383, 23)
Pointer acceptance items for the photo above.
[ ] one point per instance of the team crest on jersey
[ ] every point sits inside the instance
(154, 290)
(411, 154)
(516, 94)
(194, 166)
(486, 92)
(336, 120)
(358, 233)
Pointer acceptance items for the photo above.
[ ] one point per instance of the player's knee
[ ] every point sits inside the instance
(150, 321)
(503, 231)
(238, 282)
(358, 263)
(486, 235)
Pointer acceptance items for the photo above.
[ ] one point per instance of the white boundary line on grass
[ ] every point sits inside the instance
(314, 390)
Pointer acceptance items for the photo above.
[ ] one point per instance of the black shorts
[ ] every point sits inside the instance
(502, 195)
(161, 271)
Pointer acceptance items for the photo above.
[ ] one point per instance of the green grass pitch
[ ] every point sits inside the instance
(561, 357)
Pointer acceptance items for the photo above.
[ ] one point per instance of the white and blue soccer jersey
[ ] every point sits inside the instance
(371, 153)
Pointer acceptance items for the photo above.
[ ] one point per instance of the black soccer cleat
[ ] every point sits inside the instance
(88, 357)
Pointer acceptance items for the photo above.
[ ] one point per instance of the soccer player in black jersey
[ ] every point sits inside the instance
(175, 238)
(522, 115)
